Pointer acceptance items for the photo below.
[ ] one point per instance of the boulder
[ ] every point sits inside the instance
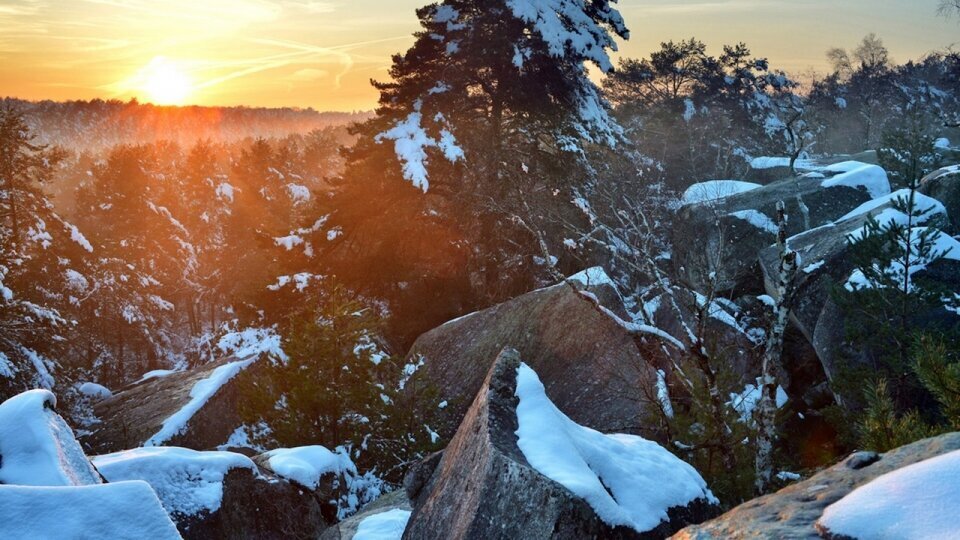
(194, 409)
(483, 485)
(590, 363)
(793, 511)
(222, 494)
(721, 238)
(825, 262)
(944, 185)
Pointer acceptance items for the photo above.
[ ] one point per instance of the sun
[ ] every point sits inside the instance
(165, 83)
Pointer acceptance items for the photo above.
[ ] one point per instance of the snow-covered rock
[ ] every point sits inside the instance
(384, 519)
(37, 448)
(627, 480)
(916, 502)
(194, 409)
(307, 465)
(222, 494)
(117, 510)
(793, 511)
(188, 482)
(494, 478)
(944, 185)
(714, 190)
(721, 239)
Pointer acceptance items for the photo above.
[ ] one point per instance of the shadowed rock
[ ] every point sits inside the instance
(483, 487)
(793, 511)
(592, 367)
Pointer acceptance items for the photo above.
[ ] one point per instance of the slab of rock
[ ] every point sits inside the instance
(825, 262)
(793, 511)
(223, 494)
(136, 414)
(483, 487)
(592, 367)
(944, 185)
(725, 236)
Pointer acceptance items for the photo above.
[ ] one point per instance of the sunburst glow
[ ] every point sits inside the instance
(165, 83)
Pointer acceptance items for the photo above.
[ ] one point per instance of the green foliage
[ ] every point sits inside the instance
(937, 364)
(336, 388)
(907, 151)
(882, 428)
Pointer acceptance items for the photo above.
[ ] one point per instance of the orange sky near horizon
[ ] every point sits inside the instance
(322, 54)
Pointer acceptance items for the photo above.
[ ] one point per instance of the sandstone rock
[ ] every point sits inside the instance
(133, 416)
(724, 236)
(793, 511)
(484, 487)
(591, 366)
(944, 185)
(825, 263)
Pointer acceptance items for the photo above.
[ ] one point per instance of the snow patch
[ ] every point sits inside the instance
(858, 175)
(629, 481)
(714, 190)
(387, 525)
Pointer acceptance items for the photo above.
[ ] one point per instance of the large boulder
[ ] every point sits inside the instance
(194, 409)
(944, 185)
(826, 262)
(793, 511)
(592, 366)
(222, 494)
(484, 486)
(718, 240)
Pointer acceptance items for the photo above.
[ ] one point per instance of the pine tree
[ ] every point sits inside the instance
(481, 132)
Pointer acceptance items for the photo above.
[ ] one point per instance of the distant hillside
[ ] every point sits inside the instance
(97, 124)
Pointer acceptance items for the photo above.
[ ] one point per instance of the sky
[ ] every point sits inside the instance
(323, 53)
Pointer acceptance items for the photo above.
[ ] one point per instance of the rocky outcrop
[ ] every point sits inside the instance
(825, 263)
(944, 185)
(720, 239)
(223, 494)
(793, 511)
(592, 367)
(138, 413)
(482, 486)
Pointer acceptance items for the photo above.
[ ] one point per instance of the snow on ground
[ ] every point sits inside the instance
(592, 277)
(123, 510)
(714, 190)
(201, 392)
(770, 162)
(746, 401)
(306, 465)
(252, 342)
(37, 448)
(157, 373)
(858, 175)
(387, 525)
(758, 220)
(187, 481)
(917, 502)
(626, 479)
(94, 390)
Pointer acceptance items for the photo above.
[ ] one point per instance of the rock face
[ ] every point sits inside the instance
(826, 263)
(793, 511)
(222, 494)
(591, 366)
(724, 236)
(135, 415)
(483, 487)
(944, 185)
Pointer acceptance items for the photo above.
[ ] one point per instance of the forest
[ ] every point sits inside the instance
(782, 249)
